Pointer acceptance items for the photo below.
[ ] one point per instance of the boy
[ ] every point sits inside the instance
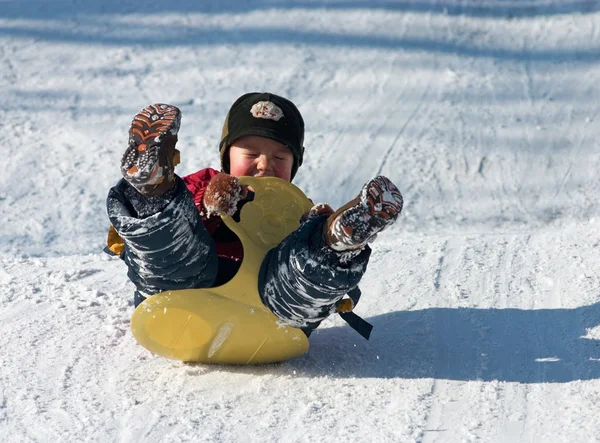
(173, 235)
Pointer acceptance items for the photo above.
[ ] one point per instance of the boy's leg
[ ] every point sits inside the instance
(303, 279)
(167, 245)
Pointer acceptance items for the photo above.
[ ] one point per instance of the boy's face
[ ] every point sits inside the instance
(260, 157)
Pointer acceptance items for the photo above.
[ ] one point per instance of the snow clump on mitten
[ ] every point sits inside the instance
(222, 195)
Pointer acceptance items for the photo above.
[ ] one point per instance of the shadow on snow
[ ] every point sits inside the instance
(513, 345)
(57, 9)
(166, 36)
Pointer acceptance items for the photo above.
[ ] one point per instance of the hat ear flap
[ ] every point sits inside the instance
(224, 145)
(225, 158)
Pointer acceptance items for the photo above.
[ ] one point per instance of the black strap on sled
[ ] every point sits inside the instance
(361, 326)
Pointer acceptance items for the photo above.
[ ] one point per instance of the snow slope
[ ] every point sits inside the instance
(485, 296)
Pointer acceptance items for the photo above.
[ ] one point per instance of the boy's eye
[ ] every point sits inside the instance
(279, 158)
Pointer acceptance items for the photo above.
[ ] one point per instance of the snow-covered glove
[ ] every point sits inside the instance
(223, 194)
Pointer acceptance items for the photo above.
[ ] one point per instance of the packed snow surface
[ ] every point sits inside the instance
(485, 296)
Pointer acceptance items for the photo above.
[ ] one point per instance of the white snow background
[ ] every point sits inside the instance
(485, 296)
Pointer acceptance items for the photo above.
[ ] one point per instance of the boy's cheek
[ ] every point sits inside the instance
(286, 173)
(239, 168)
(288, 170)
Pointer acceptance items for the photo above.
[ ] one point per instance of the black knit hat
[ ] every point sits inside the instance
(265, 115)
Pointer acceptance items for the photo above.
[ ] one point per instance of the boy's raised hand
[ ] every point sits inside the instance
(223, 194)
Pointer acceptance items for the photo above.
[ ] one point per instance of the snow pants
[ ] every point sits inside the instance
(167, 247)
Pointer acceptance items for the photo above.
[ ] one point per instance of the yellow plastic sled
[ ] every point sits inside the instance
(229, 324)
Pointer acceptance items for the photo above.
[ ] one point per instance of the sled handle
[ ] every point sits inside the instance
(274, 213)
(264, 222)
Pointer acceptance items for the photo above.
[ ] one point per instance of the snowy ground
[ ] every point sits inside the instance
(485, 297)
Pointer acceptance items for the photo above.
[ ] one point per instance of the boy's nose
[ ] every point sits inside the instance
(264, 163)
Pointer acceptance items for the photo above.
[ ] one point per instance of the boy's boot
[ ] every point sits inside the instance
(149, 161)
(356, 223)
